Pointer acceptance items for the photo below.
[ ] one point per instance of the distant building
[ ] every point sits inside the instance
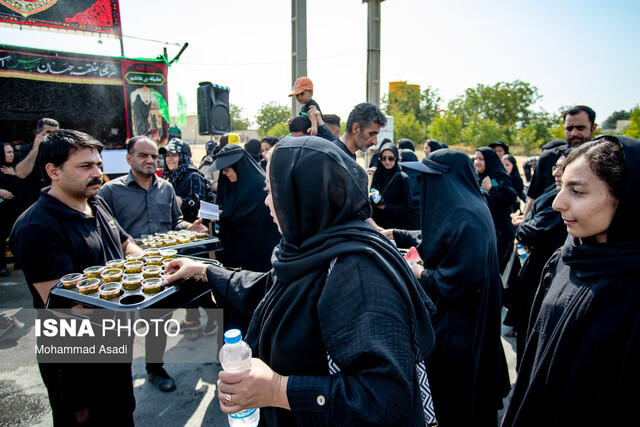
(621, 125)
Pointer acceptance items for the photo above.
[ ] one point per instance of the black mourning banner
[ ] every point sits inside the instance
(100, 16)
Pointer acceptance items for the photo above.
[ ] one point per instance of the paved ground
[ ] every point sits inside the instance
(193, 403)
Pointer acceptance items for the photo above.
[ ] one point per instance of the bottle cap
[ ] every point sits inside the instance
(232, 336)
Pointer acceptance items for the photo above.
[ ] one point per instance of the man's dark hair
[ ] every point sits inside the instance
(46, 122)
(364, 114)
(135, 139)
(577, 110)
(299, 124)
(332, 119)
(59, 144)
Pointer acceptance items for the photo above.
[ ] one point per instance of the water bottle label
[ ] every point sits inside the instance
(243, 414)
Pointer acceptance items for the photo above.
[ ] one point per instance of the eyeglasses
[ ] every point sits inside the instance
(387, 159)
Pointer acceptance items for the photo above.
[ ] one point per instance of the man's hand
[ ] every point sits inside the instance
(197, 226)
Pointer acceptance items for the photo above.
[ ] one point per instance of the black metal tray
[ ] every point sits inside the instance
(209, 243)
(170, 297)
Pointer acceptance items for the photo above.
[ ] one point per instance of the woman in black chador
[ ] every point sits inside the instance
(511, 167)
(340, 325)
(247, 232)
(461, 276)
(189, 183)
(580, 364)
(496, 183)
(395, 207)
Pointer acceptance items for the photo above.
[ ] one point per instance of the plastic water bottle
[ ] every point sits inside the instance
(235, 356)
(375, 195)
(522, 253)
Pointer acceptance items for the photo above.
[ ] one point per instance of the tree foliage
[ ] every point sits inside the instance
(237, 121)
(271, 114)
(446, 128)
(405, 125)
(409, 100)
(279, 130)
(633, 130)
(507, 104)
(181, 118)
(612, 120)
(481, 132)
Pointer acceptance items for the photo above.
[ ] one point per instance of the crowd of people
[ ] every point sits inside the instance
(344, 330)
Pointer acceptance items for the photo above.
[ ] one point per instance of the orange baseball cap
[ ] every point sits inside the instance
(301, 84)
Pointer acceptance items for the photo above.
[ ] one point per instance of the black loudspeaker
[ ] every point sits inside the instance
(213, 109)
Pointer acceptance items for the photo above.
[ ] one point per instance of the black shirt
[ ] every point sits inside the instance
(50, 239)
(341, 145)
(305, 108)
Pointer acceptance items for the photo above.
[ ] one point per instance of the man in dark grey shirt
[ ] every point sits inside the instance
(144, 204)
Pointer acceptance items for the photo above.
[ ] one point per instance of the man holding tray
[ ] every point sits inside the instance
(67, 230)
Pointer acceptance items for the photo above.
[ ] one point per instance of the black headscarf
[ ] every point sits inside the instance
(253, 147)
(493, 167)
(621, 252)
(406, 144)
(185, 165)
(382, 176)
(435, 145)
(247, 231)
(408, 156)
(321, 202)
(516, 179)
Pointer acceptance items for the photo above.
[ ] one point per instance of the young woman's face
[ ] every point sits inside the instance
(8, 153)
(231, 174)
(264, 150)
(172, 160)
(507, 165)
(427, 149)
(388, 159)
(478, 162)
(585, 203)
(269, 202)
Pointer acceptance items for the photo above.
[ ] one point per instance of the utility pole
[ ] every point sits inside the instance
(373, 51)
(298, 46)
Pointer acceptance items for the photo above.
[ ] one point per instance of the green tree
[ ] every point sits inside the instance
(406, 126)
(446, 128)
(633, 130)
(237, 121)
(481, 132)
(507, 104)
(279, 130)
(612, 120)
(408, 99)
(534, 135)
(271, 114)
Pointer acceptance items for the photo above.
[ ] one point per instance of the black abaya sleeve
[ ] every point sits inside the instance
(407, 238)
(242, 289)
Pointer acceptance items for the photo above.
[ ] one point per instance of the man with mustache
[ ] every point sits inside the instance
(145, 204)
(65, 231)
(579, 127)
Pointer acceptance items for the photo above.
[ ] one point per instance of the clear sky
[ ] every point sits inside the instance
(573, 51)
